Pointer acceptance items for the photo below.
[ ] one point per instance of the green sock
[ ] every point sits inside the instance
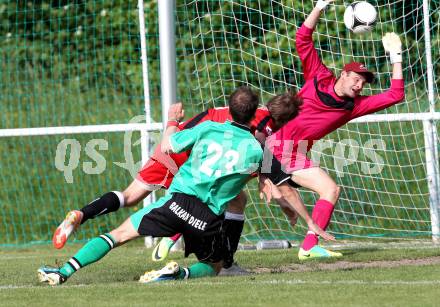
(199, 269)
(93, 251)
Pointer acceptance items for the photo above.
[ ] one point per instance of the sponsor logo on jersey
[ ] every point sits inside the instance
(187, 217)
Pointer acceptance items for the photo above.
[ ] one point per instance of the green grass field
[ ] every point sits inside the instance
(364, 277)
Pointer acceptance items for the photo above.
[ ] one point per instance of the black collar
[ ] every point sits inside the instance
(244, 127)
(329, 100)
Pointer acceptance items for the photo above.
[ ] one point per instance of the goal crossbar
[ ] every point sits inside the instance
(427, 116)
(80, 129)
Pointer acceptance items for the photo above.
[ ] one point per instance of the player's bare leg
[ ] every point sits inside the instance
(92, 251)
(292, 196)
(320, 182)
(109, 202)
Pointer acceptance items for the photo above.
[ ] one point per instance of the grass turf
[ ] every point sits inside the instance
(364, 277)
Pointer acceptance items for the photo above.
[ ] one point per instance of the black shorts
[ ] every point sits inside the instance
(277, 174)
(202, 229)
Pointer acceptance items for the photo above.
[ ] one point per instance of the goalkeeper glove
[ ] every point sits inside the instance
(393, 45)
(322, 4)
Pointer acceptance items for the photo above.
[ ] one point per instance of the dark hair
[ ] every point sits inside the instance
(283, 108)
(243, 103)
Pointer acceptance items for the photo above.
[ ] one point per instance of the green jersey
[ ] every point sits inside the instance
(222, 158)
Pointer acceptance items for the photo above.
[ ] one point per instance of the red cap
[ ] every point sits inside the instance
(360, 69)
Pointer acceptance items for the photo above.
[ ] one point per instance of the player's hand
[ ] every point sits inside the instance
(265, 188)
(268, 189)
(176, 112)
(392, 45)
(322, 4)
(317, 230)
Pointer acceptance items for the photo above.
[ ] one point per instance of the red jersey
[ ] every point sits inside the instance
(322, 111)
(262, 122)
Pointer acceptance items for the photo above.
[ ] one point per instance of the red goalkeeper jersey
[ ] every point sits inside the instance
(322, 111)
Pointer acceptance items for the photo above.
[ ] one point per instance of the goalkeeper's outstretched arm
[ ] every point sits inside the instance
(393, 46)
(314, 15)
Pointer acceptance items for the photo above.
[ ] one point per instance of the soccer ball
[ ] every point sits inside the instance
(360, 17)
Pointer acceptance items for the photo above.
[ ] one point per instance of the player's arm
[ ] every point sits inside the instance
(269, 190)
(185, 139)
(314, 15)
(304, 43)
(393, 46)
(396, 93)
(175, 115)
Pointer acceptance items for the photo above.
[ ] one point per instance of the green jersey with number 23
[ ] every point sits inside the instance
(222, 158)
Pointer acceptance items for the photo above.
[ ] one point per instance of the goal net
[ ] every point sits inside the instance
(380, 164)
(79, 64)
(65, 64)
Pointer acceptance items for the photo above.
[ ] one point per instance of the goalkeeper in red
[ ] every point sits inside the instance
(329, 102)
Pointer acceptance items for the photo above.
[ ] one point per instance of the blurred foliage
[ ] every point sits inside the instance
(76, 58)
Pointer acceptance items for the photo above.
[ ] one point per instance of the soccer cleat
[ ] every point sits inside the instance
(66, 228)
(317, 252)
(160, 252)
(52, 276)
(233, 270)
(169, 272)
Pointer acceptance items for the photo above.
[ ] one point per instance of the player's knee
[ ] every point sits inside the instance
(241, 200)
(338, 191)
(332, 193)
(123, 235)
(133, 197)
(238, 204)
(129, 199)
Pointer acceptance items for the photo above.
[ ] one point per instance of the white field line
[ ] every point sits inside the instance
(8, 257)
(347, 244)
(252, 282)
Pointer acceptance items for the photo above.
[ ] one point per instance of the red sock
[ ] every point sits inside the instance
(176, 237)
(321, 215)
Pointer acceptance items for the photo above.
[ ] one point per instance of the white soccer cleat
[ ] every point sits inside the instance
(66, 228)
(169, 272)
(52, 276)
